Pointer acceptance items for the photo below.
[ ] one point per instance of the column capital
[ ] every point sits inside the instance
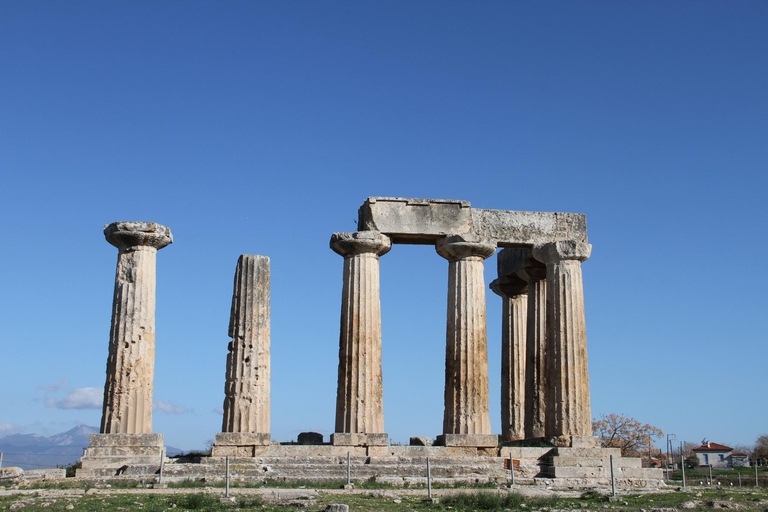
(127, 235)
(509, 286)
(533, 270)
(459, 247)
(554, 252)
(360, 242)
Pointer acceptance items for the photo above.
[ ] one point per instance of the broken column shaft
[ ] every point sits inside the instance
(246, 402)
(245, 429)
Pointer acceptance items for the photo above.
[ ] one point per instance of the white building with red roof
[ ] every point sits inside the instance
(720, 456)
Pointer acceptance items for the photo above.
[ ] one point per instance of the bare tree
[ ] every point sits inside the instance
(760, 452)
(620, 431)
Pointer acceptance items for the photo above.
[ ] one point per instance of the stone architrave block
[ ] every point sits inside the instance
(424, 221)
(421, 441)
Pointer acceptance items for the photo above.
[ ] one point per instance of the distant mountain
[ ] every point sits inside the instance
(33, 451)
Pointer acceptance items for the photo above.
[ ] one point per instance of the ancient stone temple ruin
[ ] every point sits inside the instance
(545, 413)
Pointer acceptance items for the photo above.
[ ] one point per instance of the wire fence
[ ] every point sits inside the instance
(737, 477)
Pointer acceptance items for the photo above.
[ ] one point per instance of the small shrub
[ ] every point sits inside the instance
(197, 502)
(483, 501)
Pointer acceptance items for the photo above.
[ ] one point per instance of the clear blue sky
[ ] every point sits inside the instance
(260, 127)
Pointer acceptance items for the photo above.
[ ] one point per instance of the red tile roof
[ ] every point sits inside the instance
(739, 454)
(713, 447)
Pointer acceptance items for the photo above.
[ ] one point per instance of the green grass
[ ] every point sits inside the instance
(477, 499)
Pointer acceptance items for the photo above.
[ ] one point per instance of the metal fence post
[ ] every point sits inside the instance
(429, 480)
(710, 474)
(226, 495)
(682, 467)
(1, 459)
(349, 469)
(757, 484)
(512, 468)
(613, 480)
(162, 464)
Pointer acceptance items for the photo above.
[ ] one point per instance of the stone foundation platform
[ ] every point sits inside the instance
(582, 467)
(111, 455)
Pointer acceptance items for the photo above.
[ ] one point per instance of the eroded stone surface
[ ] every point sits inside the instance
(127, 407)
(247, 387)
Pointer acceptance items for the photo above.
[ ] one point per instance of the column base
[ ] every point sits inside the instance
(240, 444)
(109, 455)
(511, 439)
(468, 440)
(585, 442)
(358, 439)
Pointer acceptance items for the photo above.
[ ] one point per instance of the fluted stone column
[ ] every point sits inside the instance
(534, 273)
(466, 420)
(126, 437)
(127, 407)
(247, 404)
(514, 314)
(569, 414)
(359, 403)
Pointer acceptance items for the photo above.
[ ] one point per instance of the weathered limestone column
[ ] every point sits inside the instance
(569, 414)
(127, 407)
(514, 314)
(359, 404)
(466, 420)
(534, 273)
(247, 404)
(126, 437)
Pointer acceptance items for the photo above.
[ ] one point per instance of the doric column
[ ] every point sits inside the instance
(569, 413)
(246, 402)
(534, 273)
(466, 354)
(359, 405)
(127, 405)
(514, 311)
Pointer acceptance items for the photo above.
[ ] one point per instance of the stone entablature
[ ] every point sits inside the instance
(424, 221)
